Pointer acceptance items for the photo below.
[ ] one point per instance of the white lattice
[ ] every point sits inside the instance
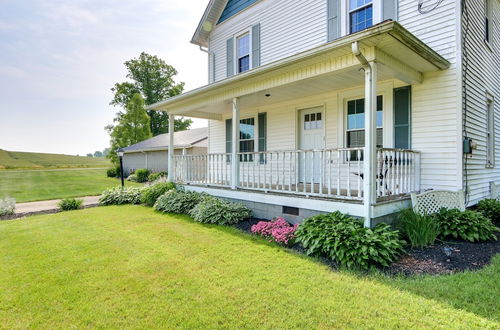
(495, 190)
(432, 201)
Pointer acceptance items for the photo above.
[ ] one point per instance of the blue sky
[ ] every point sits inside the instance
(59, 59)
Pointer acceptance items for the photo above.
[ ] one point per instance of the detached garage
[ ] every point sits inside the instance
(153, 153)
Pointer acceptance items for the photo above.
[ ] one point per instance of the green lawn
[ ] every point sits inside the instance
(35, 185)
(129, 267)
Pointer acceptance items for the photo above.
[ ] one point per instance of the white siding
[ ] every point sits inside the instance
(483, 75)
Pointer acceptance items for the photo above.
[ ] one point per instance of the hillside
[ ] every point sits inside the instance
(33, 160)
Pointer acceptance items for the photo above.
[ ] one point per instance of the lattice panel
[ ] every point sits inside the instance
(495, 191)
(432, 201)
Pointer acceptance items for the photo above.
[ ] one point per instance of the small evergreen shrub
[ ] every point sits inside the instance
(142, 174)
(150, 194)
(420, 230)
(111, 173)
(277, 230)
(180, 202)
(69, 204)
(468, 225)
(490, 208)
(221, 212)
(7, 206)
(344, 240)
(155, 176)
(118, 196)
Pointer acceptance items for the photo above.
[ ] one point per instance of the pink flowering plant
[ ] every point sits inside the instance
(276, 230)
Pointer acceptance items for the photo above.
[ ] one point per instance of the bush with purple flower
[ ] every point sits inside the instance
(276, 230)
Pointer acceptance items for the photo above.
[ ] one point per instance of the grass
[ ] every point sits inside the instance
(129, 267)
(35, 185)
(34, 160)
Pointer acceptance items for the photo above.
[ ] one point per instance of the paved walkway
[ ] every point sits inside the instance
(31, 207)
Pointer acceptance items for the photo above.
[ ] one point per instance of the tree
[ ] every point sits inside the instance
(98, 153)
(133, 127)
(90, 155)
(105, 152)
(153, 79)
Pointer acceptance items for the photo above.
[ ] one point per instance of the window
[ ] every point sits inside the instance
(355, 133)
(313, 121)
(247, 138)
(490, 132)
(360, 15)
(487, 21)
(243, 52)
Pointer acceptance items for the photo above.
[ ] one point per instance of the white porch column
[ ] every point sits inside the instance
(370, 153)
(235, 144)
(171, 121)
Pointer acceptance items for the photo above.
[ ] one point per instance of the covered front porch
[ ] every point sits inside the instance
(319, 126)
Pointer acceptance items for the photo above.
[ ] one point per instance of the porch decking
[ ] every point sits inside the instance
(330, 173)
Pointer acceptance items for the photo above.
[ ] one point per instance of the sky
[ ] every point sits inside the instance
(59, 59)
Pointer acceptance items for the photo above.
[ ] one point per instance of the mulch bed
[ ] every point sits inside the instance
(429, 260)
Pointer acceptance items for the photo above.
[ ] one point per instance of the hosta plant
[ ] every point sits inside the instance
(181, 202)
(277, 230)
(119, 195)
(218, 211)
(490, 208)
(151, 193)
(468, 225)
(7, 206)
(68, 204)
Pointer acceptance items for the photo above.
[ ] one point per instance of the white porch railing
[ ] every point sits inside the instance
(333, 173)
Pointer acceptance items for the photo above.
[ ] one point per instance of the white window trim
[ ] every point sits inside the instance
(255, 117)
(346, 130)
(490, 133)
(235, 49)
(344, 17)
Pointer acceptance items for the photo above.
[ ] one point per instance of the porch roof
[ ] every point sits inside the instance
(330, 66)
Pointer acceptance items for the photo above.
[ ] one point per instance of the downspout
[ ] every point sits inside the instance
(210, 54)
(370, 150)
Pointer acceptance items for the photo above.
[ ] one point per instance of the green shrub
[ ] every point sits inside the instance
(132, 177)
(111, 173)
(468, 225)
(221, 212)
(181, 202)
(344, 240)
(118, 196)
(490, 208)
(68, 204)
(155, 176)
(150, 194)
(7, 206)
(142, 174)
(420, 230)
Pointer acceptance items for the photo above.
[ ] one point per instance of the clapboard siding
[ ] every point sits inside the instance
(483, 72)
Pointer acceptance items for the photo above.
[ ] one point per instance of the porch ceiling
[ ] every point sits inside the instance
(328, 67)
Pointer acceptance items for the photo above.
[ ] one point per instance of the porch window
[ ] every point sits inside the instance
(355, 133)
(243, 52)
(360, 15)
(247, 138)
(490, 132)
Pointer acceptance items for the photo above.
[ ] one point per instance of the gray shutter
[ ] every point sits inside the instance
(390, 10)
(229, 137)
(255, 45)
(230, 57)
(333, 19)
(402, 117)
(262, 122)
(213, 67)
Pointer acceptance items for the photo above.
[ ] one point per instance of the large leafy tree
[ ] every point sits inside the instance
(133, 126)
(153, 79)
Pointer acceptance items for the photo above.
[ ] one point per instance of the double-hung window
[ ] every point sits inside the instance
(253, 137)
(355, 132)
(360, 15)
(487, 21)
(243, 52)
(247, 138)
(490, 132)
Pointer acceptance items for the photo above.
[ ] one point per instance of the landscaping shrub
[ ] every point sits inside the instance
(155, 176)
(150, 194)
(112, 173)
(68, 204)
(344, 240)
(7, 206)
(132, 177)
(218, 211)
(142, 174)
(118, 196)
(180, 202)
(420, 230)
(468, 225)
(276, 230)
(490, 208)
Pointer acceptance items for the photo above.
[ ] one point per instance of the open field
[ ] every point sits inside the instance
(36, 185)
(129, 267)
(33, 160)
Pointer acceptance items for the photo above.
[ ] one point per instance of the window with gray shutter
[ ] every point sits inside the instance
(389, 10)
(333, 19)
(262, 123)
(255, 45)
(230, 57)
(402, 117)
(229, 136)
(213, 67)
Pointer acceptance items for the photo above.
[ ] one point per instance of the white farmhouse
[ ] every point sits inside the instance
(349, 105)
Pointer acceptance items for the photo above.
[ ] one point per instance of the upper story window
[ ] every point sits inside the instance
(360, 15)
(487, 21)
(243, 52)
